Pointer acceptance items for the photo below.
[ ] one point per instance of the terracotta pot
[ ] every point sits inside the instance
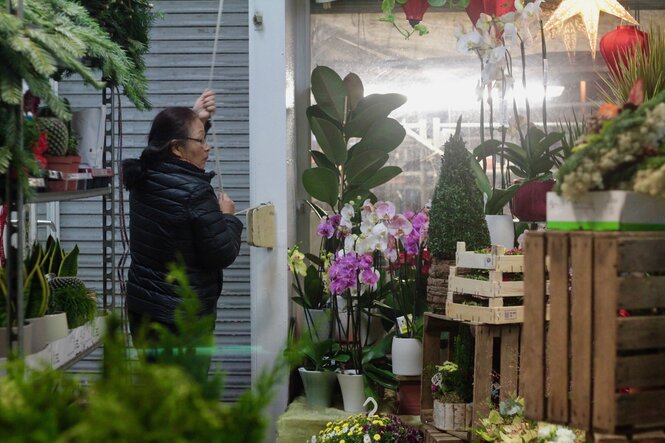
(409, 397)
(530, 201)
(66, 164)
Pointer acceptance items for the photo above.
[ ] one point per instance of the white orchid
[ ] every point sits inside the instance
(470, 41)
(347, 212)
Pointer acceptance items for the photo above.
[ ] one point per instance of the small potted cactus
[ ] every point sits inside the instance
(62, 154)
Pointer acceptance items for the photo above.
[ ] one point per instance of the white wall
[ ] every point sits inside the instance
(275, 49)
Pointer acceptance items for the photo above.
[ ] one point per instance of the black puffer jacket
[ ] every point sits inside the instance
(174, 210)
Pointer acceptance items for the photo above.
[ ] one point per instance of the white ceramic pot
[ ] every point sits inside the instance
(353, 390)
(318, 386)
(320, 329)
(407, 354)
(502, 231)
(48, 329)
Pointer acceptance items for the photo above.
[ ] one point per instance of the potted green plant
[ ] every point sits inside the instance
(311, 295)
(54, 36)
(316, 361)
(456, 215)
(531, 162)
(355, 136)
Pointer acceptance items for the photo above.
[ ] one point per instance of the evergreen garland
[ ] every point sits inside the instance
(128, 23)
(457, 205)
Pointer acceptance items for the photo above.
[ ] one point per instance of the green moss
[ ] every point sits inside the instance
(457, 205)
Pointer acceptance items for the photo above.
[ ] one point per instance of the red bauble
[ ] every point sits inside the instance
(530, 201)
(495, 8)
(620, 44)
(414, 10)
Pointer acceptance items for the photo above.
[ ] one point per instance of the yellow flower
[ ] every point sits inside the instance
(296, 261)
(377, 437)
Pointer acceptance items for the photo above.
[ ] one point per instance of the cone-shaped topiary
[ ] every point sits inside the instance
(457, 205)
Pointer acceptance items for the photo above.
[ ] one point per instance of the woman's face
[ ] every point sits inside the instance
(195, 148)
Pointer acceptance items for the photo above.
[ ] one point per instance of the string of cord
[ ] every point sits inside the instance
(218, 168)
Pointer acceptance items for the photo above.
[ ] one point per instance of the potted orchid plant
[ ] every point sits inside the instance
(355, 137)
(533, 156)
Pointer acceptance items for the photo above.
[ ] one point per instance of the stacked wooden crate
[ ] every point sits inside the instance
(597, 365)
(484, 301)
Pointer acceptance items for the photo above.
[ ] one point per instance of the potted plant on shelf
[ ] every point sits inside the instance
(312, 295)
(532, 162)
(407, 289)
(621, 160)
(54, 37)
(316, 361)
(456, 215)
(452, 386)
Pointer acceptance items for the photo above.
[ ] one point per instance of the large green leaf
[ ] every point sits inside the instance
(70, 264)
(329, 92)
(370, 109)
(385, 134)
(354, 89)
(499, 199)
(35, 293)
(321, 160)
(487, 148)
(482, 181)
(322, 184)
(382, 176)
(363, 165)
(330, 138)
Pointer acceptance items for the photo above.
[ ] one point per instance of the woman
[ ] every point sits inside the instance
(174, 213)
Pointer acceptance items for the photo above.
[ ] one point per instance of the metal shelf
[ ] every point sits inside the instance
(44, 197)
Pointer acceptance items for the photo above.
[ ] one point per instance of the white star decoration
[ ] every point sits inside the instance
(589, 10)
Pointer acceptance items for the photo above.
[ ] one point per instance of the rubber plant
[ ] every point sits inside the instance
(356, 137)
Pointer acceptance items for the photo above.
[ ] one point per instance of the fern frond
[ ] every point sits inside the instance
(5, 159)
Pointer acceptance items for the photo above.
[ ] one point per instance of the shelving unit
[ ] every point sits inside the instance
(81, 341)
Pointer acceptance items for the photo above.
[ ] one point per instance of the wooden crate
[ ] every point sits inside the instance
(591, 368)
(494, 287)
(496, 260)
(493, 315)
(485, 373)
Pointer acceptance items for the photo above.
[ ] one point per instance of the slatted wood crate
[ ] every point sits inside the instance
(485, 301)
(489, 340)
(593, 367)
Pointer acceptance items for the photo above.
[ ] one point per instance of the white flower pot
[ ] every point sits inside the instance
(407, 355)
(502, 231)
(48, 329)
(318, 386)
(353, 390)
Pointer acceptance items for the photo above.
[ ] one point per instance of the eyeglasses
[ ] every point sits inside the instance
(201, 141)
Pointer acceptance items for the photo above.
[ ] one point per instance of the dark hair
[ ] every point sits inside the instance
(170, 124)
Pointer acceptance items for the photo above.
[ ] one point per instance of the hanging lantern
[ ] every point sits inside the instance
(414, 10)
(619, 45)
(495, 8)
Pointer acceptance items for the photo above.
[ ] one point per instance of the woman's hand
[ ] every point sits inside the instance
(205, 105)
(226, 204)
